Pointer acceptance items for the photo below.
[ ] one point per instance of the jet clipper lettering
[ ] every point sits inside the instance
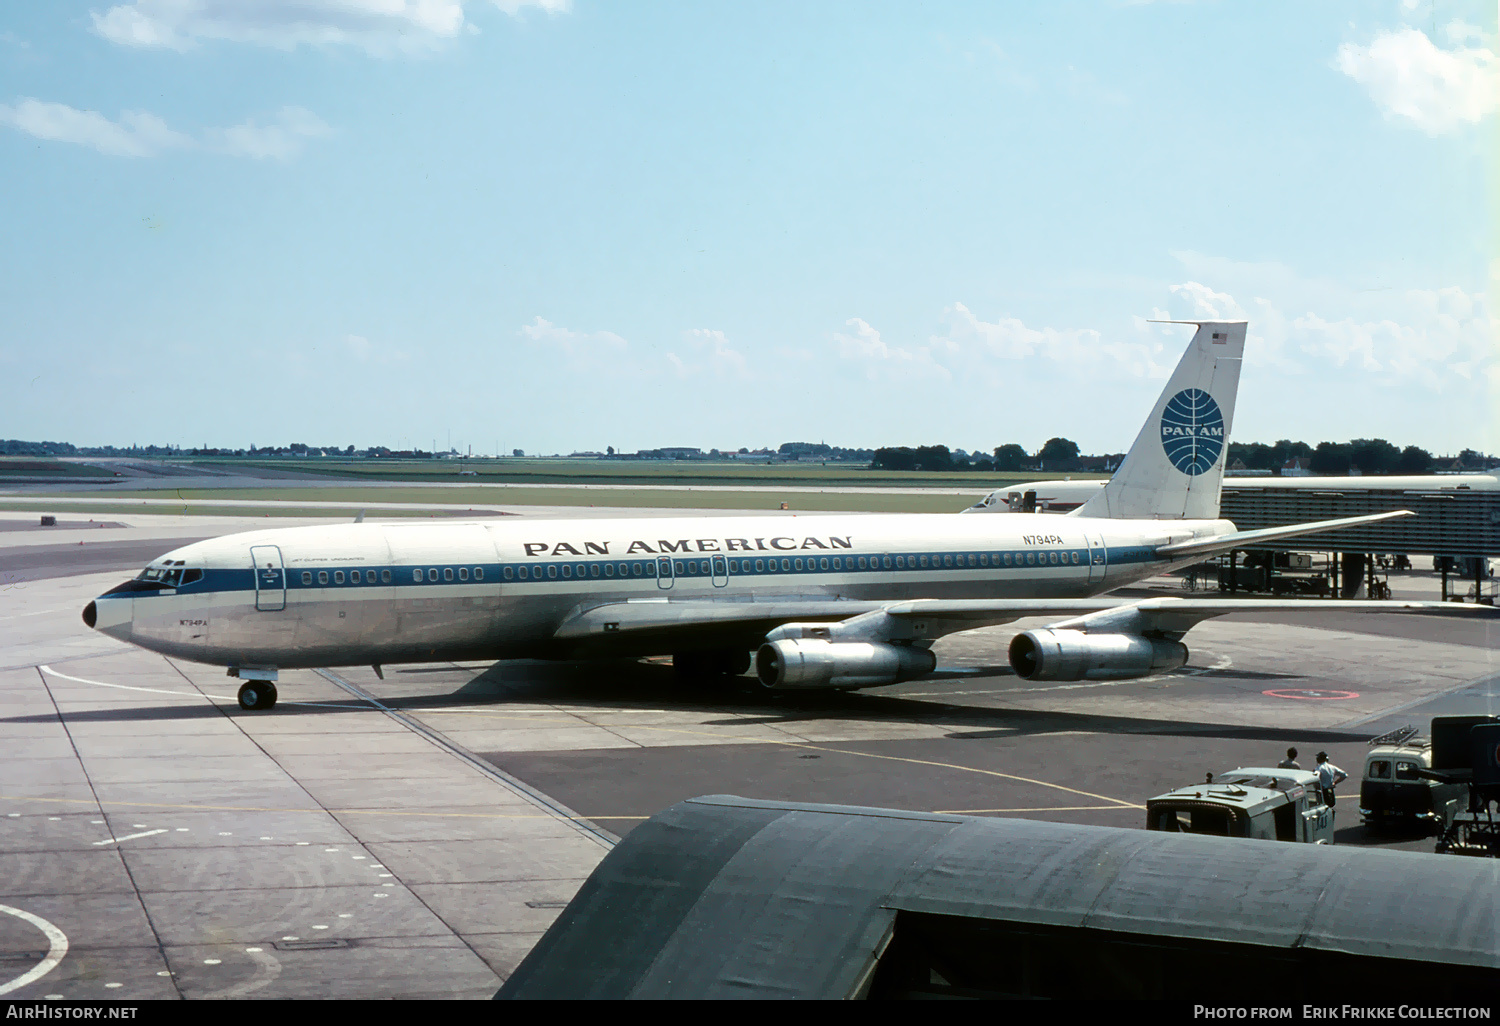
(835, 601)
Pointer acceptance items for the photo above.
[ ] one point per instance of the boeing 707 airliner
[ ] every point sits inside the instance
(822, 601)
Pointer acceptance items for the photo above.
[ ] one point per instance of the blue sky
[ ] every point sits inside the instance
(565, 225)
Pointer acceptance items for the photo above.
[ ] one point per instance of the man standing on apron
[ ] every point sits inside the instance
(1328, 776)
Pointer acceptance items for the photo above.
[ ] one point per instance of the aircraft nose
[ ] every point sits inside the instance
(110, 614)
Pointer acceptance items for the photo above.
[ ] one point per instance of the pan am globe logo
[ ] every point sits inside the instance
(1192, 431)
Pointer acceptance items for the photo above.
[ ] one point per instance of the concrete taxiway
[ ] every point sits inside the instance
(414, 836)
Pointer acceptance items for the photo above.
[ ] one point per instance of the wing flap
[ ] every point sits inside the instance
(615, 619)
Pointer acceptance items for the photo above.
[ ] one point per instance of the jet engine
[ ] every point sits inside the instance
(1051, 654)
(815, 663)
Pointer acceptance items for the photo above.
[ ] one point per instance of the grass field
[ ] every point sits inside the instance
(290, 501)
(684, 472)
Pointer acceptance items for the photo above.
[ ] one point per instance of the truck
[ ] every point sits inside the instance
(1271, 804)
(1393, 790)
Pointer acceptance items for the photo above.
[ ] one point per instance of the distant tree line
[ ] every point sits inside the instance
(1368, 456)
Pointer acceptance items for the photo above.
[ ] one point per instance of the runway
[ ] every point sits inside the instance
(414, 836)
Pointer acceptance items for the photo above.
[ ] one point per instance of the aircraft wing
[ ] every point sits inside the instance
(623, 627)
(1249, 539)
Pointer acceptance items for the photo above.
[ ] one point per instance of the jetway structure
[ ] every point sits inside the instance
(732, 897)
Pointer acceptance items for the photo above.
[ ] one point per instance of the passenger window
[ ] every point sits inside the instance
(416, 575)
(338, 577)
(836, 564)
(385, 577)
(432, 574)
(947, 560)
(507, 573)
(923, 560)
(307, 577)
(567, 570)
(760, 566)
(625, 569)
(678, 568)
(862, 562)
(552, 572)
(1052, 558)
(609, 569)
(1380, 769)
(786, 564)
(984, 559)
(323, 576)
(886, 560)
(521, 572)
(479, 573)
(1031, 559)
(593, 569)
(447, 573)
(797, 564)
(463, 573)
(1007, 559)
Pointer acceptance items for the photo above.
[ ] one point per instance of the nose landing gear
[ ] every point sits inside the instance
(257, 694)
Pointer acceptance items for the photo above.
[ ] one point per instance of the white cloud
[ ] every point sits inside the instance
(136, 134)
(377, 26)
(139, 134)
(979, 342)
(717, 357)
(281, 139)
(865, 346)
(1430, 339)
(1409, 76)
(583, 349)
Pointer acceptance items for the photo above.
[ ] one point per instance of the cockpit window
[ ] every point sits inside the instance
(167, 577)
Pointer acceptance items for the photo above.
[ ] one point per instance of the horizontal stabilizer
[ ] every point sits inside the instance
(1250, 539)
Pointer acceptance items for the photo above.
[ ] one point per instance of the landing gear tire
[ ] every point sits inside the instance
(257, 694)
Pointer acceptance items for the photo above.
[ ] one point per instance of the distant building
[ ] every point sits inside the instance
(1297, 466)
(680, 452)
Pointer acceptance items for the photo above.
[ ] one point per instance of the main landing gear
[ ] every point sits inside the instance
(257, 694)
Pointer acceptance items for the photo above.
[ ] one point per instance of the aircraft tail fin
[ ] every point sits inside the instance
(1176, 466)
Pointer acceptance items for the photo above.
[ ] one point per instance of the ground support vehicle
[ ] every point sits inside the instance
(1394, 793)
(1273, 804)
(1466, 752)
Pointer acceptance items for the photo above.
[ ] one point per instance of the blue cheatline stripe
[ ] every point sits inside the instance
(688, 568)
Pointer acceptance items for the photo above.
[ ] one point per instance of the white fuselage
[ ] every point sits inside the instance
(352, 594)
